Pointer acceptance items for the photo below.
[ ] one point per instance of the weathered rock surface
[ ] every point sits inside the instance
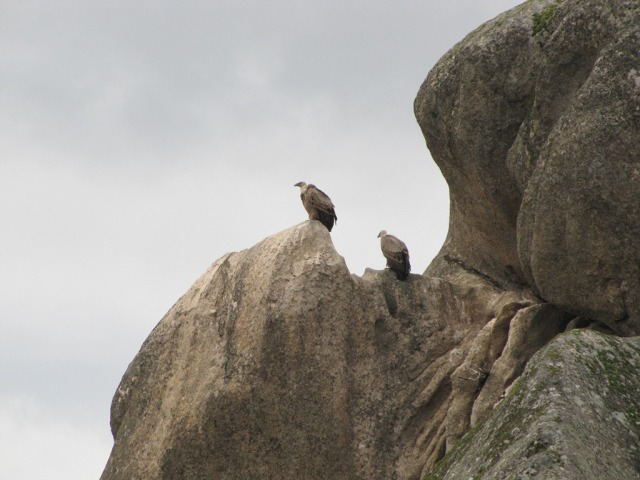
(534, 120)
(278, 363)
(573, 415)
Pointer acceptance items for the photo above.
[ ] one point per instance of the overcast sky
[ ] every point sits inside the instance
(142, 140)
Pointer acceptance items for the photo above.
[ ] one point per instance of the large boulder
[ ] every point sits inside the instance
(573, 415)
(534, 120)
(278, 363)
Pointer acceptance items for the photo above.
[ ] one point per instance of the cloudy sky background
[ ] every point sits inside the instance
(141, 140)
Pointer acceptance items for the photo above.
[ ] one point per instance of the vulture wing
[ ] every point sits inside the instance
(319, 206)
(397, 255)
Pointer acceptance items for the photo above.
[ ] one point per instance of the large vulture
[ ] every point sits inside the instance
(396, 253)
(317, 204)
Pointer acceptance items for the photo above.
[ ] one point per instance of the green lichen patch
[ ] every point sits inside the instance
(582, 386)
(541, 20)
(621, 377)
(506, 426)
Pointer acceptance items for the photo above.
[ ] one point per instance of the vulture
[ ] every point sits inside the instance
(317, 204)
(396, 253)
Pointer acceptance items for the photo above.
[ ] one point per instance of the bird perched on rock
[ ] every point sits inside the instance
(396, 253)
(317, 204)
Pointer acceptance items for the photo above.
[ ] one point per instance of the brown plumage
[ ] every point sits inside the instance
(396, 253)
(317, 204)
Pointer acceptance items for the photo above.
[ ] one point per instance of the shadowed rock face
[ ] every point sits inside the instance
(278, 363)
(534, 120)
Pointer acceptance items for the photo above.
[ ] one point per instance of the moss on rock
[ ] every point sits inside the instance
(575, 404)
(541, 19)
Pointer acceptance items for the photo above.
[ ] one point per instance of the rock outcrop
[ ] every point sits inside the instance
(534, 120)
(573, 415)
(278, 363)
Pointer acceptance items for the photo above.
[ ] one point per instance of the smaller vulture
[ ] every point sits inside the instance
(317, 204)
(396, 253)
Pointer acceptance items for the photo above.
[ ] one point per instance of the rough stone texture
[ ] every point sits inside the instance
(573, 415)
(537, 136)
(278, 363)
